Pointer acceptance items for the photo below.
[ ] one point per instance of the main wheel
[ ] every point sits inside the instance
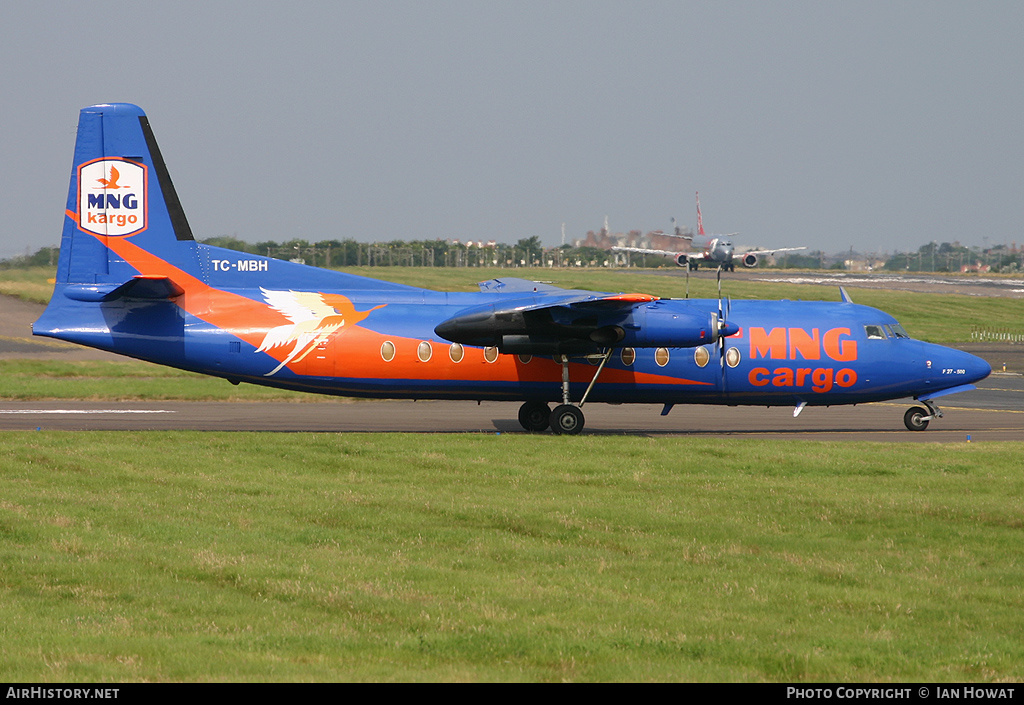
(535, 416)
(915, 419)
(567, 420)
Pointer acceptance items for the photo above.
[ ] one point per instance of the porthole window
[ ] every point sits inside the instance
(701, 356)
(628, 356)
(661, 356)
(490, 354)
(525, 359)
(387, 351)
(732, 357)
(456, 352)
(424, 351)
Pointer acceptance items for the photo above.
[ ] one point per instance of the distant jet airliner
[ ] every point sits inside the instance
(131, 279)
(713, 250)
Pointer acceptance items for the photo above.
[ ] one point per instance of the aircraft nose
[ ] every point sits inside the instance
(963, 366)
(977, 369)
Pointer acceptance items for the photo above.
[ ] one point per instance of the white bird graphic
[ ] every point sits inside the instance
(314, 317)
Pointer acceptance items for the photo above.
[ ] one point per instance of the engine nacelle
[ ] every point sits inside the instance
(749, 260)
(682, 259)
(658, 327)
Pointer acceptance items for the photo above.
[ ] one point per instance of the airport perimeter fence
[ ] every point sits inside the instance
(981, 334)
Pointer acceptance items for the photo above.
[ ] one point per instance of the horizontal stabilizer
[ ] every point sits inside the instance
(153, 288)
(514, 285)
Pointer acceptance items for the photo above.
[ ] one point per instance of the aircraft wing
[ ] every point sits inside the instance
(666, 253)
(565, 322)
(583, 323)
(772, 251)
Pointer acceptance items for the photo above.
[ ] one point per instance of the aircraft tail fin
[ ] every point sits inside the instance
(700, 219)
(122, 209)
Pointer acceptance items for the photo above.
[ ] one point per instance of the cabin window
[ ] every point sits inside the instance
(490, 353)
(875, 332)
(525, 359)
(424, 351)
(628, 356)
(732, 357)
(456, 352)
(661, 356)
(701, 356)
(387, 351)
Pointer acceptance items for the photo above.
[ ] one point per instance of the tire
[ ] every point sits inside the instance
(566, 420)
(535, 416)
(915, 419)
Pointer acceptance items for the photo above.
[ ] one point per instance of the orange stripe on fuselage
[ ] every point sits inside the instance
(241, 316)
(356, 351)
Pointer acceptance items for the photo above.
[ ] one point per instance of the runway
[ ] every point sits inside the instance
(994, 412)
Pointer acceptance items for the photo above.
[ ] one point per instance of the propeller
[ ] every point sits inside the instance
(725, 328)
(721, 322)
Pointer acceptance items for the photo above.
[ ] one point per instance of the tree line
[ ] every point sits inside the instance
(529, 252)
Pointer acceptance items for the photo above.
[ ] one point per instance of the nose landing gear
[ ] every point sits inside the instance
(917, 418)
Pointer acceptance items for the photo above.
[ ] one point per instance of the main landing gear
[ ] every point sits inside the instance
(917, 418)
(566, 419)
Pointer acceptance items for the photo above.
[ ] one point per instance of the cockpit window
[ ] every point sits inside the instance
(896, 330)
(874, 332)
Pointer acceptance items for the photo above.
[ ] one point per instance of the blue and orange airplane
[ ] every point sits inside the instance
(131, 279)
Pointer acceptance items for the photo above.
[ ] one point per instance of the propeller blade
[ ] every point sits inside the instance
(719, 292)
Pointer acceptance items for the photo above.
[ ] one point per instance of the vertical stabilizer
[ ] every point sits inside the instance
(700, 219)
(122, 206)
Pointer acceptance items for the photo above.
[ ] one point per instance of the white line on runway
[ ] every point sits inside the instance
(87, 411)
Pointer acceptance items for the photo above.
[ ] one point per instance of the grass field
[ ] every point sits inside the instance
(287, 557)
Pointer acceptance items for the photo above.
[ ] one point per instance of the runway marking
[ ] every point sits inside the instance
(87, 411)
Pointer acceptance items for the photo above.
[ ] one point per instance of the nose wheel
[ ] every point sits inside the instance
(917, 418)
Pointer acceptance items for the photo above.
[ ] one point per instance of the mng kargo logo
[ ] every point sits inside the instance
(112, 197)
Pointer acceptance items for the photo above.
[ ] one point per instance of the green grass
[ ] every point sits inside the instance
(363, 557)
(31, 283)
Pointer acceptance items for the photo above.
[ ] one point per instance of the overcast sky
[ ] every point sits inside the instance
(873, 125)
